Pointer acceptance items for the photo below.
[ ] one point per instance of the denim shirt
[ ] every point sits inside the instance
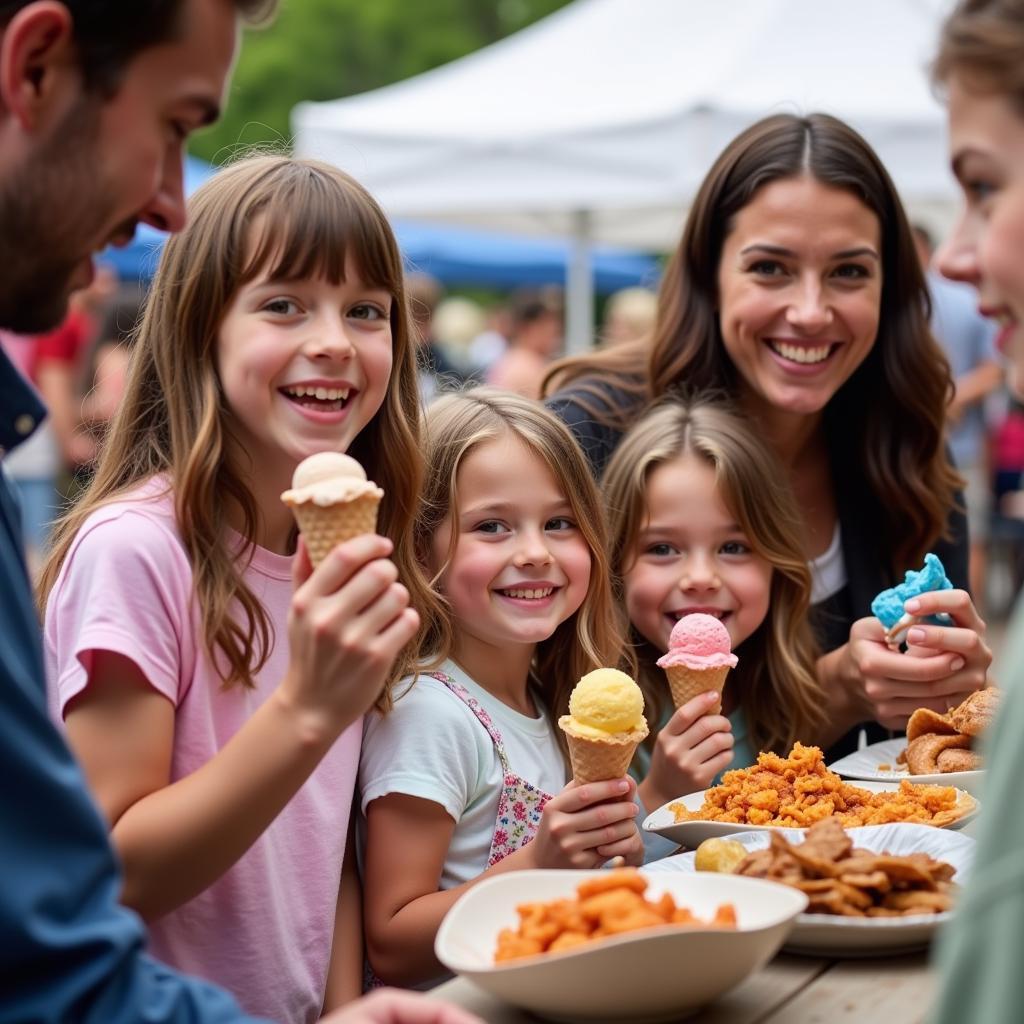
(68, 950)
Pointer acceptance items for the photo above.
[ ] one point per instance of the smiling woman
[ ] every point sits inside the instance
(796, 290)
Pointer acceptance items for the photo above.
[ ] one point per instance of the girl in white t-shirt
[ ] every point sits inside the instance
(454, 780)
(212, 684)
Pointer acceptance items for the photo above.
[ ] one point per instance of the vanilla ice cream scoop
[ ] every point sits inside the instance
(607, 701)
(327, 478)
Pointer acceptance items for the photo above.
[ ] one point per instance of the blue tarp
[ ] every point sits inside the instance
(454, 255)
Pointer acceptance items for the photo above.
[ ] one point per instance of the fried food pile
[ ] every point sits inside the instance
(937, 744)
(841, 879)
(608, 905)
(798, 790)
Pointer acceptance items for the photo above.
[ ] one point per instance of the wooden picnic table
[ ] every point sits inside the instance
(789, 990)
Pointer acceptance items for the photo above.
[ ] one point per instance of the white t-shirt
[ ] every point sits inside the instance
(828, 570)
(433, 747)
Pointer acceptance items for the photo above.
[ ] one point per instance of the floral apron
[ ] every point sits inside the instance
(519, 806)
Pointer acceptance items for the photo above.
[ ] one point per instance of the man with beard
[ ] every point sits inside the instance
(97, 98)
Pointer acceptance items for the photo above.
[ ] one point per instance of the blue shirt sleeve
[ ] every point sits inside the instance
(68, 950)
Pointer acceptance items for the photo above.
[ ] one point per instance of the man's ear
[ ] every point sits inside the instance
(37, 61)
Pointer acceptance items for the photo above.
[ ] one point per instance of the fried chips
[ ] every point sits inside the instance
(839, 878)
(610, 904)
(798, 790)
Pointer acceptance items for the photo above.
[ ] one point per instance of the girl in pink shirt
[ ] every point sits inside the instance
(210, 682)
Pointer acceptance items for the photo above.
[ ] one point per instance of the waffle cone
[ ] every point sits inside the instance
(325, 526)
(685, 683)
(596, 759)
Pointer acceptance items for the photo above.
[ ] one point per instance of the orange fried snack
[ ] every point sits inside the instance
(797, 791)
(608, 905)
(841, 879)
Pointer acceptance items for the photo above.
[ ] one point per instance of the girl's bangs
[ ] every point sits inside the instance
(312, 229)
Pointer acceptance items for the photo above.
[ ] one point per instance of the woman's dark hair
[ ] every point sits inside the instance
(110, 33)
(888, 417)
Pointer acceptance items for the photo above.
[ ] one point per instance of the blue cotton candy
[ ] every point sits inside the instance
(888, 605)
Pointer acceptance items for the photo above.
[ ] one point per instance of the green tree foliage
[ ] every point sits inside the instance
(326, 49)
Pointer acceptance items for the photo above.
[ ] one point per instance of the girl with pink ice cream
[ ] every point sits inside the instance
(707, 553)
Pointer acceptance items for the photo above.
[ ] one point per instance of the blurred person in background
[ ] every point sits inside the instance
(435, 368)
(535, 338)
(60, 370)
(968, 339)
(490, 343)
(34, 465)
(106, 363)
(457, 322)
(629, 315)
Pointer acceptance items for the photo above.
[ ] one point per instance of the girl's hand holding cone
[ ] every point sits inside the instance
(587, 824)
(692, 748)
(349, 619)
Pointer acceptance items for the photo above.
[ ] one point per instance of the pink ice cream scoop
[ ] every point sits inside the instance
(699, 641)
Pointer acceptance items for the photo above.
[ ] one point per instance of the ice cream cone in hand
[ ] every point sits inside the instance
(698, 660)
(604, 725)
(332, 502)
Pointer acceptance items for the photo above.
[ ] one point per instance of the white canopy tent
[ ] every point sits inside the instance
(601, 120)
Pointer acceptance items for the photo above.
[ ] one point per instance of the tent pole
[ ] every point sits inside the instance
(579, 335)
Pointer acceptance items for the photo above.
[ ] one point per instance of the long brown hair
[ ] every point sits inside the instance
(173, 422)
(776, 675)
(982, 41)
(457, 424)
(888, 418)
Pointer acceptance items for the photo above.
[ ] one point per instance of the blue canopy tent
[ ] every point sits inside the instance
(454, 255)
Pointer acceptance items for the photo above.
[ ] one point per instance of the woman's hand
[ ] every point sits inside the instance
(691, 749)
(942, 665)
(586, 825)
(349, 619)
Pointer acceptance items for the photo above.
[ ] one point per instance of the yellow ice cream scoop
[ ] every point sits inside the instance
(607, 701)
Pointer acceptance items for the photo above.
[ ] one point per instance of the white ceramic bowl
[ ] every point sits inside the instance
(649, 975)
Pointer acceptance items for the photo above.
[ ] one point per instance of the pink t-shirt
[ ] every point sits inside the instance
(264, 930)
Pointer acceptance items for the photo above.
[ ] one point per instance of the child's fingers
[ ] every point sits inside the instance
(302, 567)
(955, 603)
(345, 562)
(690, 713)
(398, 633)
(382, 611)
(707, 725)
(577, 796)
(718, 763)
(622, 849)
(716, 744)
(607, 835)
